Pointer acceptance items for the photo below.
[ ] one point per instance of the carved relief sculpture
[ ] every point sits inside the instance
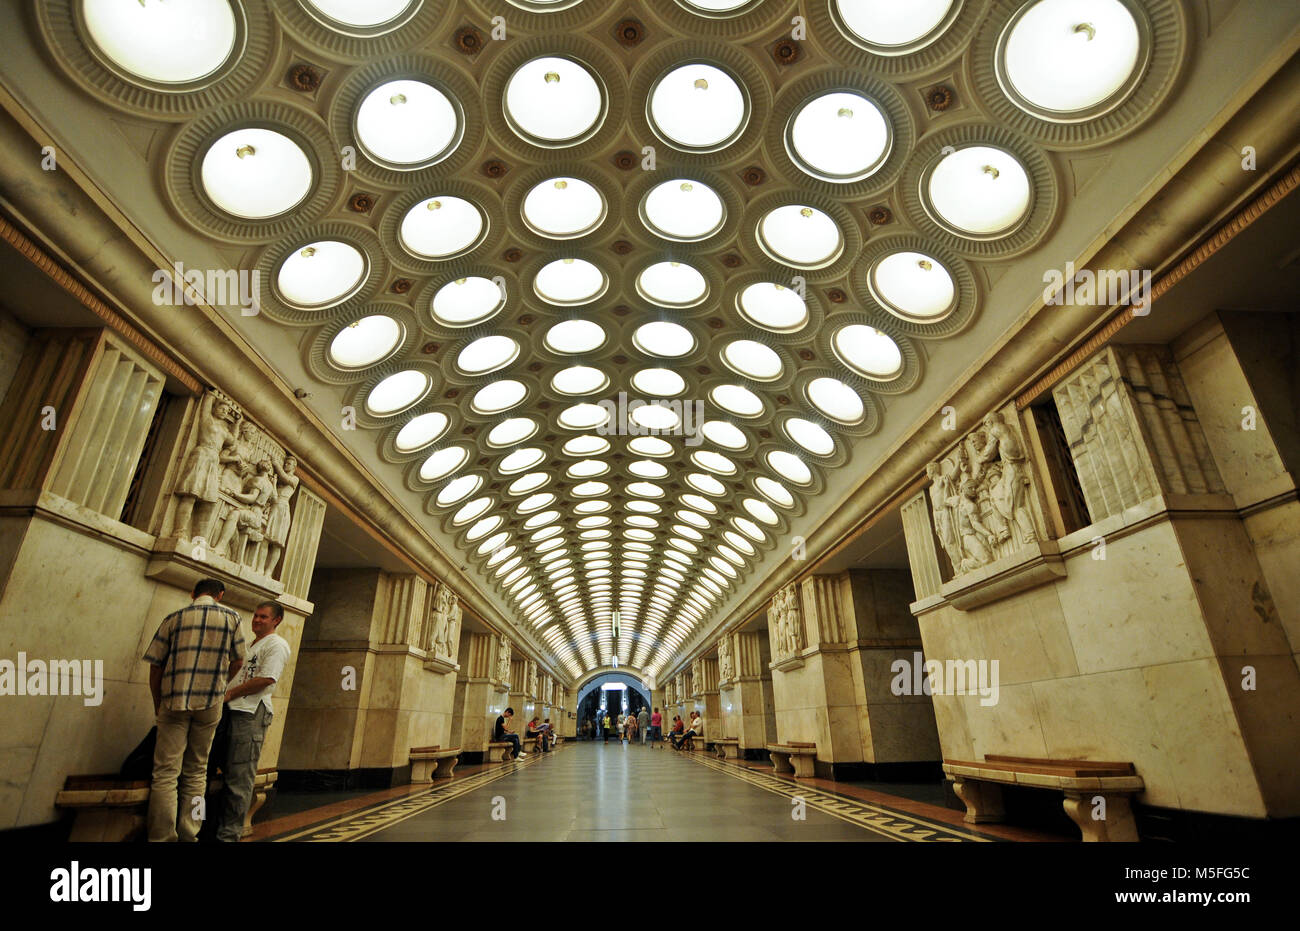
(724, 659)
(695, 674)
(199, 483)
(503, 660)
(979, 497)
(532, 679)
(444, 637)
(787, 637)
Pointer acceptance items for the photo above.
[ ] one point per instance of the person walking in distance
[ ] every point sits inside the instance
(248, 702)
(656, 728)
(195, 652)
(643, 723)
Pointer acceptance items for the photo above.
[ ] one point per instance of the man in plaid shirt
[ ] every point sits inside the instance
(195, 653)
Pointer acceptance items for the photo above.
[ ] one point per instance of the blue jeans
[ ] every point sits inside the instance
(512, 739)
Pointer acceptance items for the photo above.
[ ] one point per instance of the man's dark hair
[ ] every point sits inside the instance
(510, 711)
(213, 587)
(277, 611)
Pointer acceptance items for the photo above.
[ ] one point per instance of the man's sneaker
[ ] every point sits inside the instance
(521, 756)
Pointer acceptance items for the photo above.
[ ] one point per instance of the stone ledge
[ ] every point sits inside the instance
(172, 564)
(787, 664)
(440, 664)
(1031, 566)
(26, 502)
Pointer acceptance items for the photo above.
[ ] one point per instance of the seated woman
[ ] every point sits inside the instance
(534, 732)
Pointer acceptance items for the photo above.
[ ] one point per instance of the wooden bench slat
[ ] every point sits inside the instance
(1127, 768)
(1047, 768)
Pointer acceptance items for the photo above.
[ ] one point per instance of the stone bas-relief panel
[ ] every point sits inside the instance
(234, 490)
(785, 624)
(980, 496)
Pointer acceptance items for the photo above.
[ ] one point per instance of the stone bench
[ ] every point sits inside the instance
(429, 763)
(979, 786)
(794, 757)
(506, 748)
(110, 809)
(728, 748)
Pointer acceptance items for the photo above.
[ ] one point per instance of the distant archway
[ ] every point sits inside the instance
(587, 694)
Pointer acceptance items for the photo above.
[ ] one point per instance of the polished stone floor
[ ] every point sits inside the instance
(615, 792)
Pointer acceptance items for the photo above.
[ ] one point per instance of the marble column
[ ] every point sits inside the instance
(480, 694)
(752, 717)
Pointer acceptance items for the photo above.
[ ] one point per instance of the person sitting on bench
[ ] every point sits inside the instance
(501, 732)
(696, 729)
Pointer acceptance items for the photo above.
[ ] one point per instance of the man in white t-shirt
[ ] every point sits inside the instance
(248, 702)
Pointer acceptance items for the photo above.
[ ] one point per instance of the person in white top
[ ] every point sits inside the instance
(248, 702)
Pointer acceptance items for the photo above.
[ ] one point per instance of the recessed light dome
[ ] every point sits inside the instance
(467, 300)
(586, 446)
(810, 436)
(865, 349)
(421, 431)
(177, 42)
(646, 468)
(587, 468)
(663, 338)
(541, 520)
(498, 396)
(486, 354)
(655, 417)
(569, 281)
(521, 460)
(526, 483)
(443, 463)
(650, 446)
(574, 336)
(554, 101)
(511, 431)
(579, 379)
(484, 527)
(535, 502)
(775, 491)
(699, 107)
(1070, 57)
(801, 236)
(672, 284)
(714, 462)
(889, 27)
(716, 6)
(407, 124)
(683, 209)
(737, 400)
(753, 359)
(362, 14)
(255, 173)
(471, 511)
(397, 392)
(441, 226)
(663, 383)
(584, 416)
(749, 528)
(840, 137)
(562, 208)
(365, 341)
(773, 307)
(980, 191)
(725, 434)
(913, 286)
(321, 274)
(458, 489)
(789, 466)
(836, 400)
(706, 483)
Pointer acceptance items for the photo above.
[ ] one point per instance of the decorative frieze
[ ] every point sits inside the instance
(1132, 431)
(502, 669)
(726, 666)
(785, 627)
(442, 627)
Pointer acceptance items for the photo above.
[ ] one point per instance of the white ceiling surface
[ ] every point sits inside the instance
(93, 136)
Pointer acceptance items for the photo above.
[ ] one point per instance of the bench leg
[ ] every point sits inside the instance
(107, 825)
(983, 800)
(805, 765)
(260, 795)
(781, 762)
(1117, 824)
(420, 771)
(446, 767)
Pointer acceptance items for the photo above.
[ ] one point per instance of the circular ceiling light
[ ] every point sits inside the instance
(773, 307)
(575, 336)
(579, 379)
(365, 341)
(590, 489)
(913, 286)
(458, 489)
(646, 468)
(836, 400)
(569, 281)
(716, 6)
(737, 400)
(840, 137)
(663, 383)
(527, 483)
(407, 124)
(672, 284)
(664, 339)
(563, 208)
(698, 107)
(553, 102)
(397, 392)
(706, 483)
(464, 301)
(586, 446)
(587, 468)
(583, 416)
(775, 491)
(443, 463)
(471, 511)
(255, 173)
(752, 359)
(441, 226)
(725, 434)
(498, 396)
(979, 191)
(789, 466)
(762, 510)
(421, 431)
(810, 436)
(1070, 59)
(650, 446)
(655, 417)
(520, 460)
(177, 42)
(361, 14)
(888, 27)
(801, 236)
(321, 274)
(683, 210)
(714, 462)
(868, 351)
(486, 354)
(511, 431)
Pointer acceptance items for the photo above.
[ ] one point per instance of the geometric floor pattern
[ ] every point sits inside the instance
(615, 792)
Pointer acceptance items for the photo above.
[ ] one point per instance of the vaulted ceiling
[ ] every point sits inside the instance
(617, 298)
